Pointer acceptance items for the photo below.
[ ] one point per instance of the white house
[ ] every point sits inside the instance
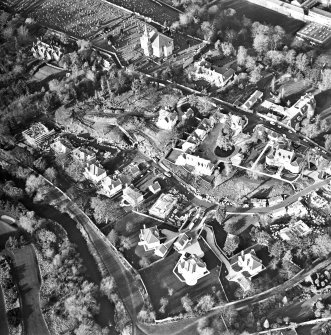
(167, 119)
(155, 187)
(110, 186)
(94, 173)
(199, 134)
(190, 268)
(200, 165)
(156, 44)
(252, 100)
(304, 107)
(60, 146)
(214, 75)
(247, 266)
(283, 159)
(131, 197)
(163, 206)
(149, 238)
(297, 229)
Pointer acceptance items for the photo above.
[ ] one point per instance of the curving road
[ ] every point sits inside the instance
(288, 201)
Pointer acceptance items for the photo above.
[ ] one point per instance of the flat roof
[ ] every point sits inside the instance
(315, 32)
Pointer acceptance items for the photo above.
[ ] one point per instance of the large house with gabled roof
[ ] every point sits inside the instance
(190, 268)
(246, 266)
(150, 240)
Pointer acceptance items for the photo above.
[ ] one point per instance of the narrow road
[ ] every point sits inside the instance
(288, 201)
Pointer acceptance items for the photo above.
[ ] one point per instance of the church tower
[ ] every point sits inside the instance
(145, 42)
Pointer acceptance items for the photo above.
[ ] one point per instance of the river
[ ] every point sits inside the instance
(106, 314)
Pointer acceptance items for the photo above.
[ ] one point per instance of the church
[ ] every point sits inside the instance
(156, 44)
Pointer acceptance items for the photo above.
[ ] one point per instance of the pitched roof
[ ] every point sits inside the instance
(160, 40)
(111, 183)
(150, 235)
(132, 193)
(155, 187)
(96, 170)
(182, 240)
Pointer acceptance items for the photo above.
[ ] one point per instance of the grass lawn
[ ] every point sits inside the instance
(135, 222)
(220, 233)
(294, 89)
(230, 287)
(206, 148)
(159, 277)
(297, 311)
(28, 280)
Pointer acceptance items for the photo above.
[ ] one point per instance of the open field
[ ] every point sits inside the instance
(259, 13)
(28, 279)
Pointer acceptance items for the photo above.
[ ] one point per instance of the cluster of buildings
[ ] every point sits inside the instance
(185, 153)
(303, 108)
(167, 118)
(46, 51)
(284, 159)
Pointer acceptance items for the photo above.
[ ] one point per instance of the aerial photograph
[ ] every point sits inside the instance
(165, 167)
